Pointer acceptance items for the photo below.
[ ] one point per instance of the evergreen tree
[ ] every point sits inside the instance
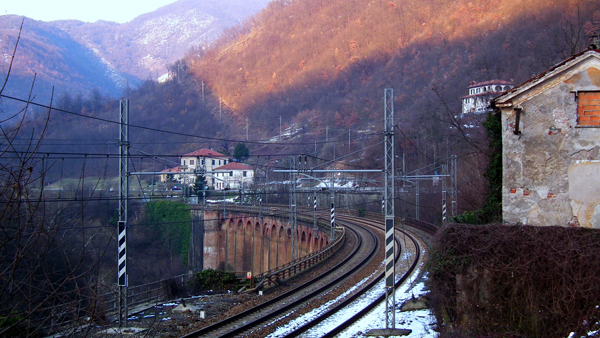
(241, 152)
(199, 185)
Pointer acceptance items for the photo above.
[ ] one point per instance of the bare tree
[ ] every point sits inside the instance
(46, 281)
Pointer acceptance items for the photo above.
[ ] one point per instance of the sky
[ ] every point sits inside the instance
(120, 11)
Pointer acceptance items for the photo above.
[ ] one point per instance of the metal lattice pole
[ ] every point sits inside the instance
(417, 198)
(332, 228)
(293, 220)
(454, 191)
(390, 269)
(444, 209)
(123, 205)
(315, 227)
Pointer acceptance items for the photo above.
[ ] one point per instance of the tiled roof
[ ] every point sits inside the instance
(491, 82)
(171, 170)
(233, 166)
(534, 80)
(204, 152)
(490, 93)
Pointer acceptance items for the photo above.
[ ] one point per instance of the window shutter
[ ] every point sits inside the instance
(588, 109)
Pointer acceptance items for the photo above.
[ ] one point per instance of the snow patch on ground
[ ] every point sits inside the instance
(420, 322)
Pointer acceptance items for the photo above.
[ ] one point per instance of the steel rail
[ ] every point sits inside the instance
(247, 326)
(350, 321)
(324, 316)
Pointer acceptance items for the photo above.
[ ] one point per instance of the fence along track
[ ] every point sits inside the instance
(250, 324)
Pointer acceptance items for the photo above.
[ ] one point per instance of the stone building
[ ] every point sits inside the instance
(551, 145)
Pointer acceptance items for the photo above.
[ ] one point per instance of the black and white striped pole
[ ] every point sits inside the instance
(122, 227)
(260, 216)
(315, 227)
(444, 192)
(444, 212)
(332, 235)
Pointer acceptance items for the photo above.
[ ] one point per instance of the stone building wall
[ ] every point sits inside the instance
(551, 168)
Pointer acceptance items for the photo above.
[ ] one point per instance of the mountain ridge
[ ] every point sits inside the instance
(79, 57)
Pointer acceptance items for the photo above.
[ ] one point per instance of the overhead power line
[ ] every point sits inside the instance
(262, 142)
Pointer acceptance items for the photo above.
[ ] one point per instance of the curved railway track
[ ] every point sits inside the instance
(335, 329)
(268, 312)
(366, 257)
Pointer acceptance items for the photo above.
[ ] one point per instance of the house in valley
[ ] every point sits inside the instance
(551, 145)
(480, 95)
(203, 160)
(233, 175)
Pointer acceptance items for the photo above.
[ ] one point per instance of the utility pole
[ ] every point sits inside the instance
(454, 190)
(390, 249)
(293, 219)
(123, 206)
(202, 92)
(417, 199)
(315, 226)
(332, 191)
(279, 127)
(444, 212)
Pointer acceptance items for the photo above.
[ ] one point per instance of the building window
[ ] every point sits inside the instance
(213, 162)
(191, 162)
(224, 162)
(183, 162)
(588, 109)
(244, 174)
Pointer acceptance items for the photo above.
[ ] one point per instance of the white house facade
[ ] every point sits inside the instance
(232, 176)
(480, 95)
(205, 160)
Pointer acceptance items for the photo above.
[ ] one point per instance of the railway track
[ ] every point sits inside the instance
(364, 266)
(327, 327)
(269, 313)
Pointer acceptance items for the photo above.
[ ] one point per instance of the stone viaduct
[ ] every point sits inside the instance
(246, 241)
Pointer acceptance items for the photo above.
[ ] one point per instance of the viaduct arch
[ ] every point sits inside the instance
(244, 241)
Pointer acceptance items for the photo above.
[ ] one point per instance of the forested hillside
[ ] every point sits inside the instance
(337, 56)
(322, 66)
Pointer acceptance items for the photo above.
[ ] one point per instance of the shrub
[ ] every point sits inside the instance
(515, 281)
(214, 279)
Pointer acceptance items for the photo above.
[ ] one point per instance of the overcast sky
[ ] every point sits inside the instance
(84, 10)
